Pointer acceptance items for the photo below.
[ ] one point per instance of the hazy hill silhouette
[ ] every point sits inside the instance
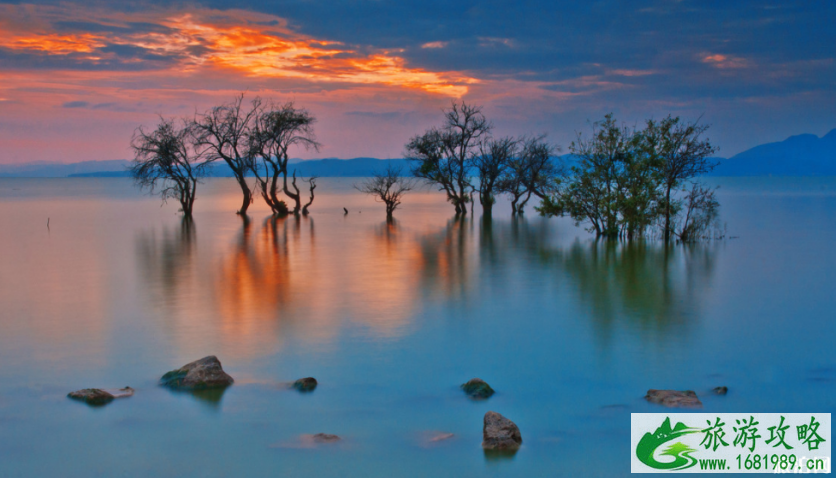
(802, 155)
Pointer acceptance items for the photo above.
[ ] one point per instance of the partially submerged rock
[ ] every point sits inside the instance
(120, 392)
(722, 390)
(309, 441)
(98, 396)
(92, 396)
(325, 438)
(499, 433)
(674, 398)
(198, 375)
(307, 384)
(477, 388)
(441, 437)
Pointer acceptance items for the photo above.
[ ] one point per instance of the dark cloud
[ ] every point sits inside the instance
(95, 27)
(109, 106)
(76, 104)
(760, 67)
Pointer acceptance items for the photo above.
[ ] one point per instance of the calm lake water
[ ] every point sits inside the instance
(391, 319)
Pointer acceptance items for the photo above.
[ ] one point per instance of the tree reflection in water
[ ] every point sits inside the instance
(645, 286)
(287, 279)
(650, 287)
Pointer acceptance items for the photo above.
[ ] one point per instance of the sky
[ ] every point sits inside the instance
(78, 77)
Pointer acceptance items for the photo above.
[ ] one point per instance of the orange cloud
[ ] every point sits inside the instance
(725, 61)
(53, 43)
(199, 40)
(434, 44)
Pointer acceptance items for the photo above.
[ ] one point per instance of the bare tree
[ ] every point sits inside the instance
(681, 153)
(443, 156)
(276, 129)
(492, 162)
(167, 162)
(701, 209)
(311, 186)
(223, 131)
(533, 171)
(388, 187)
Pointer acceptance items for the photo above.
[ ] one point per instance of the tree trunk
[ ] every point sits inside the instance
(297, 207)
(248, 196)
(487, 209)
(668, 213)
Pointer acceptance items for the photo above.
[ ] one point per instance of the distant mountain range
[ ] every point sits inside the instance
(802, 155)
(117, 168)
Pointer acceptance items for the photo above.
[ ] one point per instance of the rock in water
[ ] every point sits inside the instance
(325, 438)
(99, 396)
(307, 384)
(92, 396)
(441, 437)
(198, 375)
(674, 398)
(477, 388)
(120, 392)
(722, 390)
(499, 433)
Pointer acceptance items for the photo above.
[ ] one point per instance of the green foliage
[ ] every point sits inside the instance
(622, 185)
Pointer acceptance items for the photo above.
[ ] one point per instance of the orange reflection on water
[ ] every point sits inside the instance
(277, 280)
(55, 294)
(254, 279)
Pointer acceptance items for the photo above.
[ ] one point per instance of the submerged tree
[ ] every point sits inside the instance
(492, 162)
(388, 187)
(443, 155)
(224, 131)
(276, 129)
(624, 182)
(532, 172)
(613, 186)
(682, 154)
(311, 186)
(168, 162)
(700, 211)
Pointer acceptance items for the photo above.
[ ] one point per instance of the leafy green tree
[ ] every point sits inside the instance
(681, 154)
(625, 181)
(613, 187)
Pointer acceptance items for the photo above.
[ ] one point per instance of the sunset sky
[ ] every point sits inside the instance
(76, 78)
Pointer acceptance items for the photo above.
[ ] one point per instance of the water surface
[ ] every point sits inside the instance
(390, 318)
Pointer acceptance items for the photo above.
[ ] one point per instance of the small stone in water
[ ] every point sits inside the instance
(674, 398)
(477, 388)
(307, 384)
